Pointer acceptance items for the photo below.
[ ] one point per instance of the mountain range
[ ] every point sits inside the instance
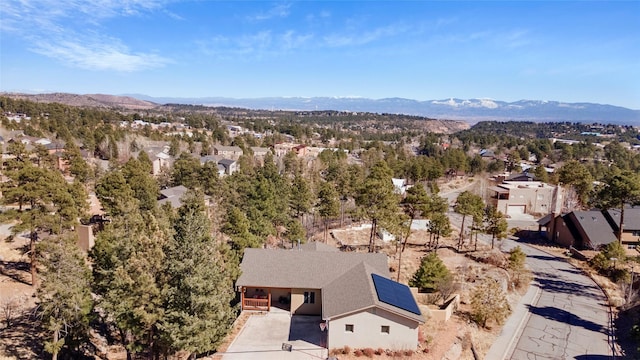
(471, 110)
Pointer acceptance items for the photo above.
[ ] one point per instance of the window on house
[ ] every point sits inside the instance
(384, 329)
(309, 297)
(348, 328)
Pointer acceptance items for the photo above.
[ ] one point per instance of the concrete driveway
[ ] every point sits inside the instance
(263, 335)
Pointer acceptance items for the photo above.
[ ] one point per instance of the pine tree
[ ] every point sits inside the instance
(431, 272)
(328, 204)
(200, 284)
(64, 296)
(52, 207)
(467, 203)
(301, 196)
(144, 186)
(439, 225)
(414, 204)
(496, 224)
(376, 199)
(575, 174)
(128, 270)
(114, 193)
(621, 188)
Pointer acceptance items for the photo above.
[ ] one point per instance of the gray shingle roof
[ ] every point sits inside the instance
(302, 269)
(355, 291)
(344, 277)
(631, 218)
(594, 225)
(317, 246)
(172, 195)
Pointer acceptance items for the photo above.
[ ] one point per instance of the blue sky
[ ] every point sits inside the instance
(585, 51)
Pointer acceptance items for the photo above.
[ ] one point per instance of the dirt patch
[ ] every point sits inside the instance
(20, 335)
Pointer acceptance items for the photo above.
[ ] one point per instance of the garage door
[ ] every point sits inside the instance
(515, 210)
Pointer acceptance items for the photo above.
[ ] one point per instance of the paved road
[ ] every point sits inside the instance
(567, 317)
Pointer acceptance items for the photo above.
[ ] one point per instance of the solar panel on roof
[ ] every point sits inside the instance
(395, 294)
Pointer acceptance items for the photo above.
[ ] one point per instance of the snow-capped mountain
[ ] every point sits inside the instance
(471, 110)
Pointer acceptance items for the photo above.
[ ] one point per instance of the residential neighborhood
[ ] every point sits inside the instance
(347, 242)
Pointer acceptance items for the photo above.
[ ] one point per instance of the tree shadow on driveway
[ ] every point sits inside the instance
(565, 317)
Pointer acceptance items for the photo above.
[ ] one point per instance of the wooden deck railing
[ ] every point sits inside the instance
(256, 304)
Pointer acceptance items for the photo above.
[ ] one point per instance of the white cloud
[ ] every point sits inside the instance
(257, 45)
(48, 26)
(278, 11)
(355, 39)
(105, 55)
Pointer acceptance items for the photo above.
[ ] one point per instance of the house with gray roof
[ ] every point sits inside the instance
(631, 227)
(230, 152)
(358, 303)
(174, 195)
(579, 229)
(230, 166)
(593, 229)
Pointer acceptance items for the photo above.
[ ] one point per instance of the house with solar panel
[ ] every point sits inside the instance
(351, 293)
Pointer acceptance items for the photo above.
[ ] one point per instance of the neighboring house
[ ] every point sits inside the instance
(55, 147)
(229, 152)
(361, 307)
(400, 186)
(172, 196)
(43, 141)
(160, 159)
(260, 152)
(579, 229)
(230, 166)
(282, 149)
(526, 197)
(300, 150)
(630, 228)
(487, 154)
(225, 166)
(525, 176)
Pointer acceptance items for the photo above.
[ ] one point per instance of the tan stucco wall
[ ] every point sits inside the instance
(276, 293)
(86, 240)
(300, 308)
(537, 200)
(403, 334)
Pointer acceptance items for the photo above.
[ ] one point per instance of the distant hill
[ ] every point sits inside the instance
(89, 100)
(472, 110)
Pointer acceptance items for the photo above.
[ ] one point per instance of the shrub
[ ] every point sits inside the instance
(489, 302)
(431, 270)
(346, 350)
(620, 275)
(358, 353)
(334, 352)
(408, 352)
(380, 351)
(368, 352)
(397, 353)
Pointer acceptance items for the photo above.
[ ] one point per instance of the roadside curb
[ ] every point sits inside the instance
(511, 330)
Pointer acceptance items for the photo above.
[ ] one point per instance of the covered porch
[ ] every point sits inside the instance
(263, 299)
